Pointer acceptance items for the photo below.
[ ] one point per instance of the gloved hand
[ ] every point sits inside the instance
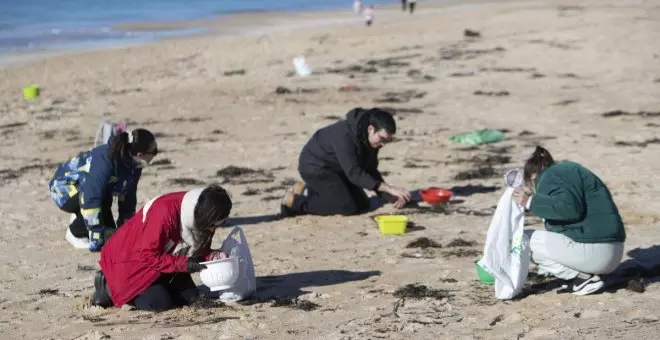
(98, 236)
(194, 266)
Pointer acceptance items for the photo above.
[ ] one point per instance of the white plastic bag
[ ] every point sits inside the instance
(301, 67)
(507, 253)
(246, 284)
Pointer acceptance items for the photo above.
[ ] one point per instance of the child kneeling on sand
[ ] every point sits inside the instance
(585, 233)
(85, 186)
(147, 263)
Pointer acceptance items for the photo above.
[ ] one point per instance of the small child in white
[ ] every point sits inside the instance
(357, 7)
(369, 15)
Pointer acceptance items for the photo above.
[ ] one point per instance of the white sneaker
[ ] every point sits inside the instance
(587, 286)
(77, 242)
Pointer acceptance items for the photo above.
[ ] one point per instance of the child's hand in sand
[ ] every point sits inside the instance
(217, 255)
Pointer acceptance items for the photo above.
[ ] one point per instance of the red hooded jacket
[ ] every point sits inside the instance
(142, 249)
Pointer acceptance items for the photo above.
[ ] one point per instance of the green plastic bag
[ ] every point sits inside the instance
(478, 137)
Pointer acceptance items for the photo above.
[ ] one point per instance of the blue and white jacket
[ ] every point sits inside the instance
(93, 175)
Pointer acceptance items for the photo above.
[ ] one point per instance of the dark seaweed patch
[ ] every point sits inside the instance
(415, 291)
(424, 242)
(461, 252)
(459, 242)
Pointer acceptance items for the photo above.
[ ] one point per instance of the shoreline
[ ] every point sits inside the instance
(237, 24)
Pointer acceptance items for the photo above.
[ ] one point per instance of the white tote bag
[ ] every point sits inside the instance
(507, 253)
(235, 245)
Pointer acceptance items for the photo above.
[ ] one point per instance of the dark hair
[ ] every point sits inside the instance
(539, 161)
(121, 148)
(213, 205)
(382, 120)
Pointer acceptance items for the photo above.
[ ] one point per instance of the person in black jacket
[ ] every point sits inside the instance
(338, 162)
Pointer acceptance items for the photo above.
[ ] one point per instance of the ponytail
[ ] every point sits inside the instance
(120, 146)
(539, 161)
(127, 144)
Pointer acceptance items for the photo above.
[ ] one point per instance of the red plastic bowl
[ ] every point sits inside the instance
(436, 196)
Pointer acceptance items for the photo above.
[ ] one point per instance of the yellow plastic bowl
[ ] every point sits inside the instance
(392, 224)
(31, 92)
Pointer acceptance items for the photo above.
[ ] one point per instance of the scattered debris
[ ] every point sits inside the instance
(49, 291)
(466, 54)
(332, 117)
(398, 110)
(285, 90)
(243, 175)
(459, 242)
(164, 161)
(352, 69)
(349, 88)
(393, 61)
(85, 268)
(191, 119)
(217, 132)
(423, 242)
(418, 255)
(206, 302)
(636, 285)
(462, 74)
(418, 75)
(186, 181)
(468, 33)
(92, 318)
(234, 73)
(565, 102)
(399, 97)
(507, 69)
(12, 125)
(496, 320)
(304, 305)
(410, 165)
(641, 144)
(415, 291)
(271, 198)
(449, 280)
(618, 113)
(251, 192)
(537, 75)
(461, 253)
(491, 93)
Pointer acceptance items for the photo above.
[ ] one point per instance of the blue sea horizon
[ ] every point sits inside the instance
(42, 25)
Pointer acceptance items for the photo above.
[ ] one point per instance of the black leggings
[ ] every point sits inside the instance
(331, 194)
(78, 227)
(169, 291)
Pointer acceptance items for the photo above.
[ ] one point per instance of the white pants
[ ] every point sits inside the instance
(564, 258)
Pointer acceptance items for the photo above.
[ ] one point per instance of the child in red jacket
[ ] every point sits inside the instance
(147, 263)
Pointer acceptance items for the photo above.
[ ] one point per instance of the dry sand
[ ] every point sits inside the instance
(563, 63)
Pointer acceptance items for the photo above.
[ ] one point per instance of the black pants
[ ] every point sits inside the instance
(412, 7)
(403, 5)
(78, 227)
(169, 291)
(331, 194)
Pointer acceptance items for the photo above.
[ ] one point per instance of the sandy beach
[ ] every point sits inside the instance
(581, 78)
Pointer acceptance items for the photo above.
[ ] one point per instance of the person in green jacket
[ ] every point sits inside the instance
(584, 233)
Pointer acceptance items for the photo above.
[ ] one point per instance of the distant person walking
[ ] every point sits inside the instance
(404, 4)
(357, 7)
(369, 15)
(411, 5)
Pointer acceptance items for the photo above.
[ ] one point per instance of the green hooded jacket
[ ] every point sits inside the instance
(575, 202)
